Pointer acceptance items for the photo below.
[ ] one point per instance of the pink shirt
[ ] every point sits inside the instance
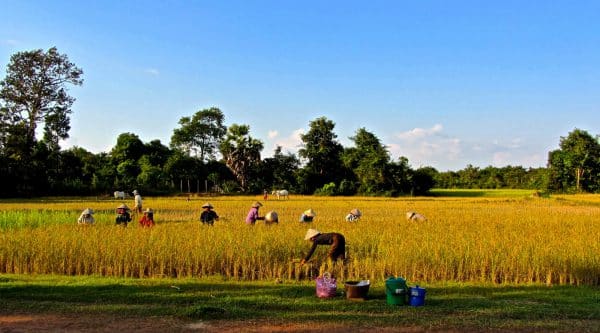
(252, 216)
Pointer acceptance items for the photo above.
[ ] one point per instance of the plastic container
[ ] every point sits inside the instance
(357, 289)
(417, 296)
(396, 291)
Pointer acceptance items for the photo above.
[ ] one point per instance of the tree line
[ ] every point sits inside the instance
(205, 155)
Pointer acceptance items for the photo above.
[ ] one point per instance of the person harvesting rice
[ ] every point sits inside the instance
(253, 216)
(337, 242)
(208, 216)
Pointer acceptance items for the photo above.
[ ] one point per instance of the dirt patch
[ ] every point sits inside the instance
(105, 323)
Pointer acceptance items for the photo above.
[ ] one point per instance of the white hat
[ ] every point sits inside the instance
(310, 233)
(310, 212)
(355, 212)
(256, 204)
(88, 211)
(124, 206)
(207, 205)
(271, 217)
(149, 210)
(135, 192)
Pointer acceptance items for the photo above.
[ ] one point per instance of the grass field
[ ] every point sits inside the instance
(497, 259)
(219, 301)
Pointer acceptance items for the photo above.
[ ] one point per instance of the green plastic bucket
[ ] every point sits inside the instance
(396, 291)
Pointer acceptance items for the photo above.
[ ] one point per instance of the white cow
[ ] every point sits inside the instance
(119, 195)
(415, 217)
(281, 194)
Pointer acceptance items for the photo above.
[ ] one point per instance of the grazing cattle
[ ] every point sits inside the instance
(415, 217)
(119, 195)
(281, 194)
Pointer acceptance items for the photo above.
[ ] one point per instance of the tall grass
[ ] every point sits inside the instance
(500, 240)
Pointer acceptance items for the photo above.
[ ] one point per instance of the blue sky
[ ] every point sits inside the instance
(444, 83)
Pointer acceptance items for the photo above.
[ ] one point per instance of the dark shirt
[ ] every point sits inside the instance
(337, 242)
(123, 218)
(208, 216)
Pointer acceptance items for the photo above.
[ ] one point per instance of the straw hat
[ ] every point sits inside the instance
(149, 210)
(310, 212)
(88, 211)
(207, 205)
(124, 206)
(256, 204)
(310, 233)
(271, 217)
(355, 212)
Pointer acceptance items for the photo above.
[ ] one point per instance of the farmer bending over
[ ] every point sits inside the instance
(123, 216)
(148, 219)
(337, 242)
(208, 216)
(253, 216)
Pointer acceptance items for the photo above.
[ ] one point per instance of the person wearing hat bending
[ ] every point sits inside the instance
(148, 219)
(208, 216)
(308, 215)
(123, 216)
(253, 214)
(86, 217)
(337, 241)
(137, 205)
(354, 215)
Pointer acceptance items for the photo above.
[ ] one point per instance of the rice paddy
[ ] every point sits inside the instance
(497, 239)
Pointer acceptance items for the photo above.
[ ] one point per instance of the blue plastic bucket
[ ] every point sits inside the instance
(416, 296)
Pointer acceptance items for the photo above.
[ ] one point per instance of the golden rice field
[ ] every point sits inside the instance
(508, 239)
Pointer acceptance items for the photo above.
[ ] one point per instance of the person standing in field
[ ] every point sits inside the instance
(208, 216)
(253, 216)
(148, 219)
(265, 195)
(86, 217)
(123, 216)
(337, 242)
(137, 201)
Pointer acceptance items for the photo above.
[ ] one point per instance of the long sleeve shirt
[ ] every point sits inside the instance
(327, 239)
(252, 216)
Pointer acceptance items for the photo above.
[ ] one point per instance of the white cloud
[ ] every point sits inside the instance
(152, 71)
(417, 133)
(427, 146)
(290, 143)
(10, 42)
(501, 158)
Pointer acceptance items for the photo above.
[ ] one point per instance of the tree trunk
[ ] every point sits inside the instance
(578, 174)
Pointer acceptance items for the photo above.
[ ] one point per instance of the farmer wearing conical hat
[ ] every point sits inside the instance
(208, 216)
(253, 216)
(123, 216)
(308, 215)
(354, 215)
(86, 217)
(337, 242)
(148, 219)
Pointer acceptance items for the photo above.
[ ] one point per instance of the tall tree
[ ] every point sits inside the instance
(280, 170)
(369, 160)
(241, 152)
(200, 134)
(577, 162)
(35, 92)
(323, 152)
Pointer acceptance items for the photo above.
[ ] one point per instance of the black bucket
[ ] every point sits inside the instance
(357, 290)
